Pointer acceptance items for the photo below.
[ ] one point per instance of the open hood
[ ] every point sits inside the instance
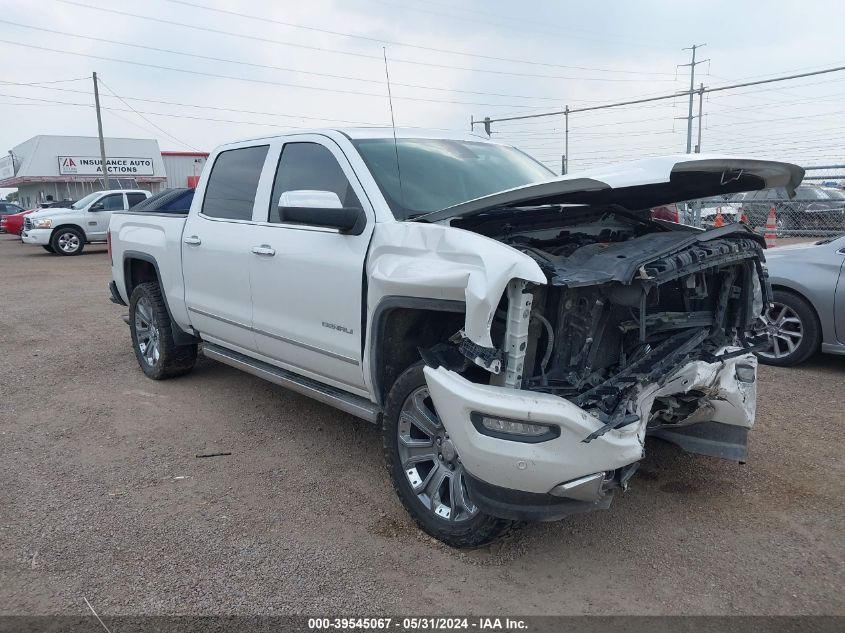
(639, 185)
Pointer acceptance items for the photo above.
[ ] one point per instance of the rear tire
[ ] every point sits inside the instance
(152, 335)
(67, 241)
(794, 330)
(466, 526)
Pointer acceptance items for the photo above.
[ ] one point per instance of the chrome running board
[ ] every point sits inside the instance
(347, 402)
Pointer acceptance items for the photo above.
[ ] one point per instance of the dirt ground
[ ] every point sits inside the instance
(102, 495)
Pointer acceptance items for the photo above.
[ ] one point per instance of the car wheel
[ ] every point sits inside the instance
(48, 248)
(152, 335)
(793, 328)
(67, 241)
(426, 470)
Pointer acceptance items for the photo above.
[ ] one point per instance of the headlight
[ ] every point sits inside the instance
(515, 430)
(42, 223)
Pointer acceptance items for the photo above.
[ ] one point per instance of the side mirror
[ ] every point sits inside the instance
(320, 208)
(97, 206)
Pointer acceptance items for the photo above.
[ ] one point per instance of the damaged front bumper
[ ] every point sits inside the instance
(554, 474)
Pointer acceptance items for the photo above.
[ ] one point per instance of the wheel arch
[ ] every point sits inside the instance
(819, 322)
(69, 225)
(399, 327)
(795, 291)
(140, 268)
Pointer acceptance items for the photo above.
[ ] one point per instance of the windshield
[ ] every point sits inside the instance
(440, 173)
(835, 194)
(85, 201)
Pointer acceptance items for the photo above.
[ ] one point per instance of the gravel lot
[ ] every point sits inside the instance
(101, 494)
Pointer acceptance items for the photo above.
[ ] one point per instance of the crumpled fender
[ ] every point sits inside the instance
(413, 259)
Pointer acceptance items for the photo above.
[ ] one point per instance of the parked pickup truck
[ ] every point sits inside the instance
(67, 230)
(516, 334)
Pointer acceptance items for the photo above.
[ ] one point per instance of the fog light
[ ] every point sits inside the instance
(745, 373)
(516, 430)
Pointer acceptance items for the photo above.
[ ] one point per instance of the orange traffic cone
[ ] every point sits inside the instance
(771, 229)
(719, 220)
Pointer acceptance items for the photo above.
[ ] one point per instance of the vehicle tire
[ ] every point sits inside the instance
(432, 490)
(152, 335)
(67, 241)
(48, 248)
(794, 330)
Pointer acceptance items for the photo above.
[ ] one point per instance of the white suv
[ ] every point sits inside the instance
(66, 230)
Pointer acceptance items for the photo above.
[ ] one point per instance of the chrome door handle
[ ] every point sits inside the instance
(193, 240)
(264, 249)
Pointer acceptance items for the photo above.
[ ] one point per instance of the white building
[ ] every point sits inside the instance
(47, 168)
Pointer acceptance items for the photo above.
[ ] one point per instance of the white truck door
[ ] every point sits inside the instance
(216, 249)
(307, 280)
(98, 215)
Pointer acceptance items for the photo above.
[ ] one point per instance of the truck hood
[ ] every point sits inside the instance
(49, 213)
(639, 185)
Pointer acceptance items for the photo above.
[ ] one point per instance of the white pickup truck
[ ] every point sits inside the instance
(516, 334)
(66, 230)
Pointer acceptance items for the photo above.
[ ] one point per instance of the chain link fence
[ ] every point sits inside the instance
(817, 210)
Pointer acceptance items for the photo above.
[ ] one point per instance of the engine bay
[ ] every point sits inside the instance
(629, 301)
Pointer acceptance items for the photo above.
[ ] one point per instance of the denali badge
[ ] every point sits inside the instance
(339, 328)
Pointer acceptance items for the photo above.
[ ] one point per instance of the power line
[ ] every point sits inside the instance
(255, 38)
(174, 116)
(267, 66)
(382, 41)
(54, 81)
(251, 80)
(159, 128)
(510, 20)
(669, 96)
(208, 107)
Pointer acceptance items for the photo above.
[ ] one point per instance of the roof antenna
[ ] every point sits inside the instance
(393, 126)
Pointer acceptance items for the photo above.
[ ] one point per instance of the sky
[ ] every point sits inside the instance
(197, 73)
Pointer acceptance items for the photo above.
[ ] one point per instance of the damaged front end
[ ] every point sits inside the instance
(639, 330)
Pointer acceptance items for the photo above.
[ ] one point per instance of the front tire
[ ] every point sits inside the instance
(426, 471)
(794, 330)
(48, 248)
(67, 241)
(152, 335)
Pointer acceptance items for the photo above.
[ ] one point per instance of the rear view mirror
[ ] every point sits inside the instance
(97, 206)
(320, 208)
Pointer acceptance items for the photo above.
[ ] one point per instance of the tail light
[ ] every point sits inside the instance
(108, 246)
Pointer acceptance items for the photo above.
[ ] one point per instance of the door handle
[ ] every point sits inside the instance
(264, 249)
(193, 240)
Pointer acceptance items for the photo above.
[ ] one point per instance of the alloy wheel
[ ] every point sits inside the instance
(785, 330)
(430, 461)
(146, 332)
(69, 242)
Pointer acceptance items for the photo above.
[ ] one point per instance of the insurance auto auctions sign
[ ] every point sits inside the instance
(92, 166)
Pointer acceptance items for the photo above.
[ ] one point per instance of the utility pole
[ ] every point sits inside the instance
(692, 66)
(700, 106)
(566, 142)
(100, 131)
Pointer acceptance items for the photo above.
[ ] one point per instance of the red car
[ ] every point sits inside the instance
(13, 223)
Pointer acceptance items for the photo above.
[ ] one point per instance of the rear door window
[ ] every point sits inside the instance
(233, 183)
(113, 202)
(135, 198)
